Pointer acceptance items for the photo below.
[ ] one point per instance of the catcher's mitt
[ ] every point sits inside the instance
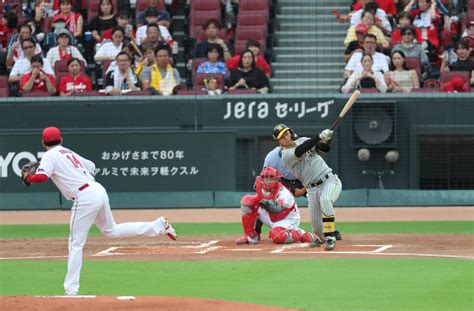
(27, 170)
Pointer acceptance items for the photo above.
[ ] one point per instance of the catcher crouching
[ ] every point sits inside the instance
(275, 206)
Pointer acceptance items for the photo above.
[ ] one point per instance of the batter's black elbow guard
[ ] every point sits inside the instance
(306, 145)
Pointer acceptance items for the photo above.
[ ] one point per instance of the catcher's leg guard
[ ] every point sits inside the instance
(328, 225)
(249, 215)
(280, 235)
(307, 237)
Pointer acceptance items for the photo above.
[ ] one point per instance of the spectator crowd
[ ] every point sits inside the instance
(118, 47)
(409, 45)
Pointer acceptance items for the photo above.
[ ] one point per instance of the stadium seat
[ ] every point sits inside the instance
(60, 67)
(91, 93)
(36, 94)
(244, 34)
(432, 84)
(105, 65)
(195, 64)
(425, 90)
(139, 93)
(199, 85)
(197, 19)
(447, 76)
(415, 64)
(143, 5)
(242, 91)
(253, 5)
(191, 92)
(252, 19)
(201, 34)
(368, 91)
(4, 92)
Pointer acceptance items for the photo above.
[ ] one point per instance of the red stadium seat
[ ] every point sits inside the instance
(36, 94)
(138, 93)
(105, 65)
(201, 34)
(415, 64)
(199, 85)
(242, 91)
(244, 34)
(425, 90)
(197, 19)
(447, 76)
(60, 67)
(250, 18)
(143, 5)
(205, 5)
(4, 91)
(253, 5)
(191, 92)
(366, 91)
(195, 65)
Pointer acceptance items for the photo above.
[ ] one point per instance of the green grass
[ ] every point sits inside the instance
(323, 284)
(186, 229)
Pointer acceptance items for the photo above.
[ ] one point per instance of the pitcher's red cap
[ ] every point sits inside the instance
(51, 134)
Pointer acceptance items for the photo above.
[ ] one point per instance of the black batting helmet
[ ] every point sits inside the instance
(280, 129)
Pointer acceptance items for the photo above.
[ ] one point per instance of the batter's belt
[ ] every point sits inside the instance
(319, 182)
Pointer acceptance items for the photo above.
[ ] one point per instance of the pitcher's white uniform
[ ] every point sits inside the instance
(72, 174)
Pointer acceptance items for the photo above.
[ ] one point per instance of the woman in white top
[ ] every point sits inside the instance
(110, 50)
(400, 78)
(366, 79)
(64, 50)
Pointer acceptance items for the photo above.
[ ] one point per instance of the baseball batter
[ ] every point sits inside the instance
(293, 184)
(276, 207)
(302, 157)
(73, 175)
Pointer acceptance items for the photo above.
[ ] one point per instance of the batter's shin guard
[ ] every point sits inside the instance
(328, 225)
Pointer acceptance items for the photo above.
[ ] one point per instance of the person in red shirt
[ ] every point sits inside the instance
(254, 46)
(74, 21)
(387, 5)
(8, 23)
(404, 19)
(37, 79)
(75, 82)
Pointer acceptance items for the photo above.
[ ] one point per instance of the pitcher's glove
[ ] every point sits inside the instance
(27, 170)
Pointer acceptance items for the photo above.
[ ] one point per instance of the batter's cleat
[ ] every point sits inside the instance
(330, 243)
(169, 230)
(246, 240)
(316, 243)
(338, 235)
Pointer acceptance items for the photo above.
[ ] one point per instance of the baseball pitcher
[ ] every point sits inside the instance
(302, 157)
(275, 206)
(73, 175)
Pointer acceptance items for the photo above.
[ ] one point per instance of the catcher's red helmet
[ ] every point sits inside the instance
(267, 181)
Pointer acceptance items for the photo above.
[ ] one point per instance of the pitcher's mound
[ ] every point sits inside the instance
(83, 303)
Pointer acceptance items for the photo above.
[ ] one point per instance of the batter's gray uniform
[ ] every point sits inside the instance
(323, 187)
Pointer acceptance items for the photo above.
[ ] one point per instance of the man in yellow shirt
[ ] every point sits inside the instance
(367, 20)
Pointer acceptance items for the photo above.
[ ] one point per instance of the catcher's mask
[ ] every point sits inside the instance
(281, 129)
(267, 182)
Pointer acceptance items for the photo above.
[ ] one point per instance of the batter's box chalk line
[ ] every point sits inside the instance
(204, 248)
(284, 249)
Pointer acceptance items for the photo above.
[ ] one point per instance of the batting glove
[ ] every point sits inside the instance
(325, 135)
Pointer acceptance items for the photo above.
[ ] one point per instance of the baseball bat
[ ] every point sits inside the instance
(346, 108)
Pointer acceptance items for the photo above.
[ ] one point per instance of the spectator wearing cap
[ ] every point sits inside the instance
(368, 20)
(74, 21)
(380, 17)
(37, 79)
(75, 81)
(15, 51)
(123, 20)
(164, 16)
(23, 65)
(109, 50)
(356, 45)
(254, 46)
(64, 50)
(212, 28)
(409, 46)
(104, 20)
(404, 19)
(380, 63)
(152, 17)
(463, 62)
